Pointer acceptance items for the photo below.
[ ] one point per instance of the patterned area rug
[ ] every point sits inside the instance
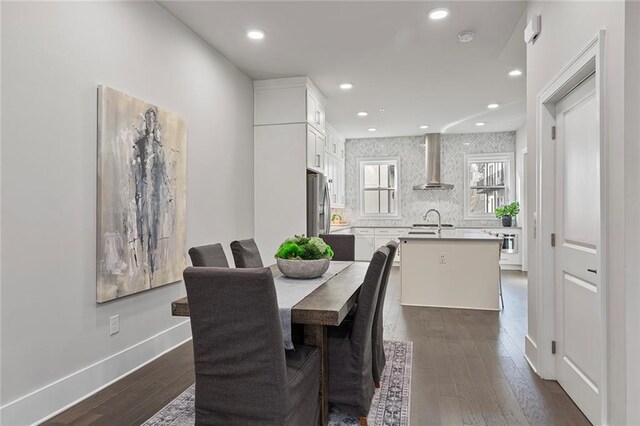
(390, 405)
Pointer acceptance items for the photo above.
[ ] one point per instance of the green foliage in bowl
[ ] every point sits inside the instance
(508, 210)
(304, 248)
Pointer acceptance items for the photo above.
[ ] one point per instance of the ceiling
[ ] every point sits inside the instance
(395, 56)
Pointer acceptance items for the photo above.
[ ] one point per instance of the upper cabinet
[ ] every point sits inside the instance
(315, 111)
(315, 150)
(287, 101)
(335, 166)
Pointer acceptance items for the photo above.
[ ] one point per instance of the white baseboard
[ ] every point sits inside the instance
(531, 352)
(56, 397)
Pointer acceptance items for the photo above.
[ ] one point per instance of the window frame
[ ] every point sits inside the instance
(362, 162)
(509, 186)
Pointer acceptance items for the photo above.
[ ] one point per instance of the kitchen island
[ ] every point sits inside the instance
(452, 268)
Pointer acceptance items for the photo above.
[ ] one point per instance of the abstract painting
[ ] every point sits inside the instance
(141, 196)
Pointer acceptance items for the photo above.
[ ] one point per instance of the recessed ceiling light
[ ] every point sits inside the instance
(424, 126)
(466, 143)
(493, 106)
(439, 13)
(363, 114)
(372, 129)
(381, 110)
(346, 86)
(255, 34)
(515, 73)
(480, 123)
(465, 36)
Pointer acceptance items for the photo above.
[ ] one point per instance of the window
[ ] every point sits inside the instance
(488, 183)
(379, 188)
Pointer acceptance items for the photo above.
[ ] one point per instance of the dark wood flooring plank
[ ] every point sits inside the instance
(468, 369)
(450, 412)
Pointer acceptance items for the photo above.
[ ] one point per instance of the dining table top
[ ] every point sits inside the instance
(327, 305)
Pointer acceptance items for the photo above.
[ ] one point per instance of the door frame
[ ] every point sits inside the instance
(589, 60)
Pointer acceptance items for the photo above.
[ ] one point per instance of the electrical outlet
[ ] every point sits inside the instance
(114, 324)
(443, 258)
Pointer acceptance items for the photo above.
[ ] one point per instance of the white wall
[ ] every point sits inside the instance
(0, 216)
(54, 57)
(521, 196)
(632, 206)
(567, 27)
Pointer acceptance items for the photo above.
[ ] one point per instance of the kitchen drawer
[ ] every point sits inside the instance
(397, 232)
(510, 259)
(363, 231)
(387, 231)
(342, 231)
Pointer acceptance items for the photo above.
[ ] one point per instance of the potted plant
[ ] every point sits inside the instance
(303, 257)
(507, 212)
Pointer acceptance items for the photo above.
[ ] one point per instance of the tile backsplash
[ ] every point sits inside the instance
(414, 204)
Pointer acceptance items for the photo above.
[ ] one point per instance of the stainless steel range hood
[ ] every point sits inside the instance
(432, 163)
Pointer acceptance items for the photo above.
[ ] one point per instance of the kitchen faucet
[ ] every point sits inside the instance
(439, 218)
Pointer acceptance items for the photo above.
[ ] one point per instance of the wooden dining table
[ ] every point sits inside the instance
(326, 306)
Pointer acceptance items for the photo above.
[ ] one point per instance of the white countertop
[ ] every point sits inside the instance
(463, 227)
(453, 234)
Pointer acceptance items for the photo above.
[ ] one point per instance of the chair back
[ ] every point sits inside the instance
(211, 255)
(379, 358)
(246, 254)
(361, 332)
(343, 245)
(238, 347)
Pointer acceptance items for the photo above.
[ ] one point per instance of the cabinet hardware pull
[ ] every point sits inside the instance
(594, 271)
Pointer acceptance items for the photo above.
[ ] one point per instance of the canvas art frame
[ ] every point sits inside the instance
(141, 211)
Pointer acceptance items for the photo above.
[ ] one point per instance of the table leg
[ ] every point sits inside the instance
(316, 335)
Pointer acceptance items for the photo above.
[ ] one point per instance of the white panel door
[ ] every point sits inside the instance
(579, 340)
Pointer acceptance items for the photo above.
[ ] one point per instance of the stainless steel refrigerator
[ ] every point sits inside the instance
(318, 205)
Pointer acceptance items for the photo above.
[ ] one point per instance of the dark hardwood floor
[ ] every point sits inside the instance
(468, 369)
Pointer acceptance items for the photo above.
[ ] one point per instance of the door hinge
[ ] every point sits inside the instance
(553, 240)
(553, 133)
(553, 347)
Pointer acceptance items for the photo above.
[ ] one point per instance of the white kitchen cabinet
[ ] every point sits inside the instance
(341, 149)
(511, 259)
(335, 166)
(288, 101)
(285, 144)
(332, 178)
(364, 243)
(341, 187)
(346, 231)
(369, 239)
(315, 150)
(315, 111)
(384, 235)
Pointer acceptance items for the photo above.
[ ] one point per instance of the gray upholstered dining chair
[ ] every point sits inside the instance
(246, 254)
(343, 245)
(243, 373)
(378, 357)
(208, 255)
(349, 347)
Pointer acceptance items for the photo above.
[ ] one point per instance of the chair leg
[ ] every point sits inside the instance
(363, 421)
(500, 284)
(377, 384)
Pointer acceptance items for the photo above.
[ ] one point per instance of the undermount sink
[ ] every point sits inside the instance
(431, 225)
(423, 232)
